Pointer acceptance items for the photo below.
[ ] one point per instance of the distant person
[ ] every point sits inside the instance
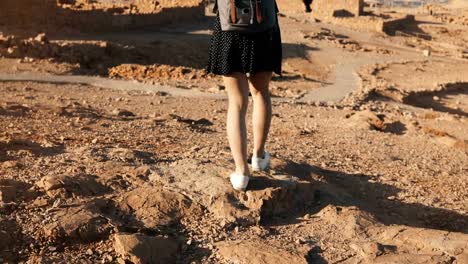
(247, 62)
(307, 4)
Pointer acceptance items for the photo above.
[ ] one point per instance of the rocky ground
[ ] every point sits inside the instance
(376, 173)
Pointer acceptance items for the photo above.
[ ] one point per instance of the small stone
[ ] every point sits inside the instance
(155, 176)
(40, 202)
(195, 149)
(216, 89)
(89, 252)
(142, 171)
(42, 37)
(121, 112)
(436, 98)
(28, 59)
(94, 141)
(10, 164)
(372, 249)
(368, 250)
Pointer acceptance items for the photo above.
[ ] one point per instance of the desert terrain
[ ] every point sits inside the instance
(113, 145)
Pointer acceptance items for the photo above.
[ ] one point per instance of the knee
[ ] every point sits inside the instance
(263, 92)
(239, 103)
(254, 92)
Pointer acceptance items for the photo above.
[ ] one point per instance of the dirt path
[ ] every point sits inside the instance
(105, 83)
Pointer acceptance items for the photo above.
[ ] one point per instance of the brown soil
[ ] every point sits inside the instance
(100, 175)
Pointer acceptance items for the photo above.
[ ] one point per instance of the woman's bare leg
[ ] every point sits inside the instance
(237, 88)
(261, 117)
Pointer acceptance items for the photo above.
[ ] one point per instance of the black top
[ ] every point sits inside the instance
(246, 53)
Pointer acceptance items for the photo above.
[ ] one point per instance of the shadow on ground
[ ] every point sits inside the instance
(341, 189)
(426, 99)
(29, 146)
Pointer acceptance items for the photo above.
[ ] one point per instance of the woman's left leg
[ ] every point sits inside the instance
(261, 117)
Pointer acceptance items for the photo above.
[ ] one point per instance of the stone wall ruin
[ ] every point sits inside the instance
(86, 15)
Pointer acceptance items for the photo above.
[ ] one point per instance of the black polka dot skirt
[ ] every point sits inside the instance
(246, 53)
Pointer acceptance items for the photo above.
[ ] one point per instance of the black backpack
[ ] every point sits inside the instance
(247, 16)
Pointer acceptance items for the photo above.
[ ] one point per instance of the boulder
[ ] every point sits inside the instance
(66, 186)
(323, 9)
(80, 223)
(156, 206)
(142, 249)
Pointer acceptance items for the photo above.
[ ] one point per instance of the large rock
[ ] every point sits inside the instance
(257, 252)
(141, 249)
(267, 195)
(408, 258)
(156, 206)
(425, 240)
(323, 9)
(81, 223)
(67, 186)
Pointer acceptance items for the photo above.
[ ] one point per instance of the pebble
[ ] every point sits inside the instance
(121, 112)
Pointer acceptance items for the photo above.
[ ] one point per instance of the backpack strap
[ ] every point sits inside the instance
(258, 11)
(233, 11)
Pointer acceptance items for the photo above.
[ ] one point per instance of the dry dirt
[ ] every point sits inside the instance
(95, 174)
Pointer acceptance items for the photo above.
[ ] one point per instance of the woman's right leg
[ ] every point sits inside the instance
(237, 88)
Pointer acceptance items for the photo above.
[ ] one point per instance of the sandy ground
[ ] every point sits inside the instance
(369, 143)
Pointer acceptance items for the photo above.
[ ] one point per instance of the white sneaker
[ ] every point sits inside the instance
(261, 164)
(239, 182)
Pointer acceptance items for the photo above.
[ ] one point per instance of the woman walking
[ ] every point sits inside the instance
(246, 61)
